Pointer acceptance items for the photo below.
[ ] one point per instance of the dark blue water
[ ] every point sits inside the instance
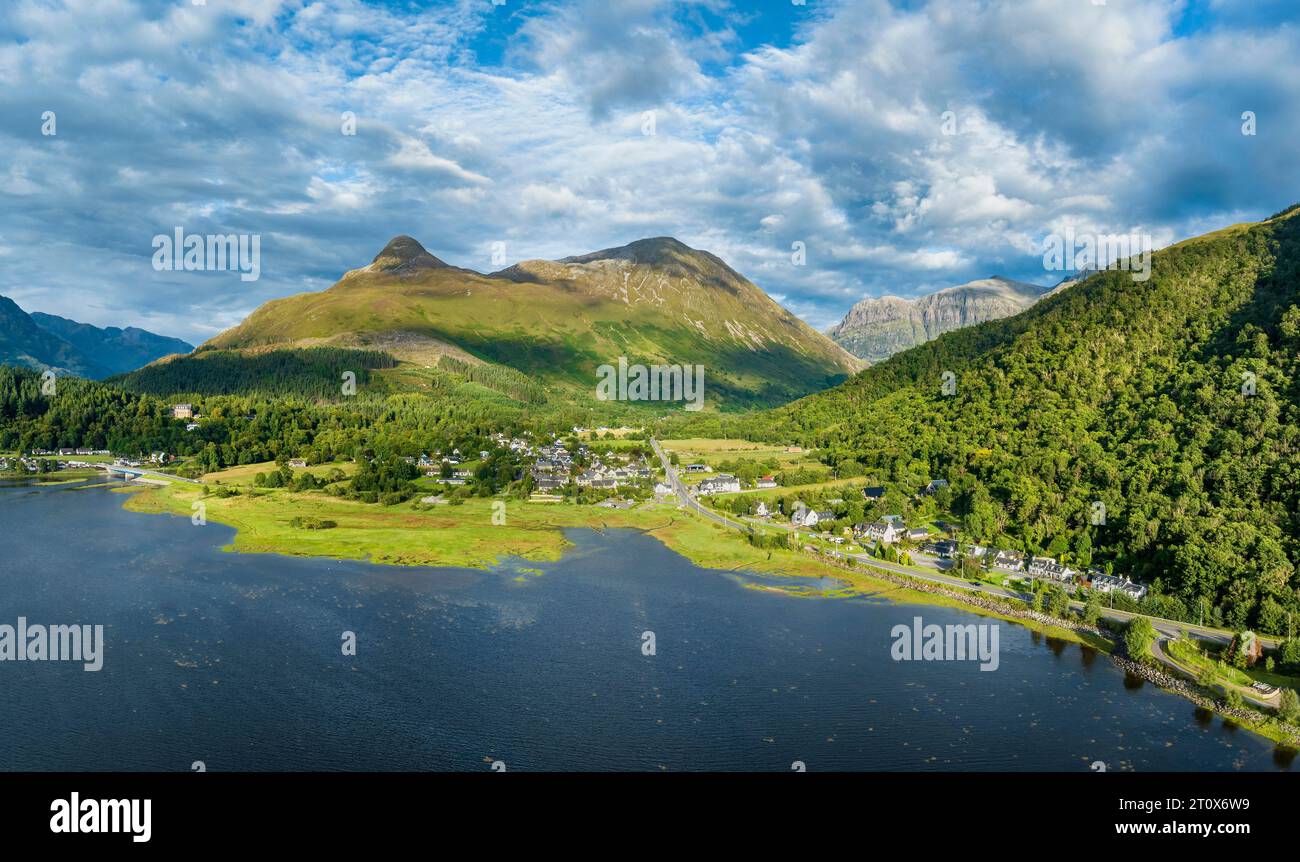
(235, 660)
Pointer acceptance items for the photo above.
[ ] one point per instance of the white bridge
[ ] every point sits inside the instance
(137, 473)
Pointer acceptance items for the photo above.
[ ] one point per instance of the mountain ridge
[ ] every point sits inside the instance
(654, 300)
(876, 328)
(47, 341)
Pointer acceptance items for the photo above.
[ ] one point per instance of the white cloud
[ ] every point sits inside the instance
(227, 117)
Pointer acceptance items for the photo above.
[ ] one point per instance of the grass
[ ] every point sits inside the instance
(244, 474)
(703, 450)
(462, 535)
(1200, 656)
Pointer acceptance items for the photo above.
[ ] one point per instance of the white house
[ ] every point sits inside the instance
(1008, 560)
(1046, 567)
(887, 530)
(721, 484)
(1107, 583)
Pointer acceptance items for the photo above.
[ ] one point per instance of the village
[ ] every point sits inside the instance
(935, 543)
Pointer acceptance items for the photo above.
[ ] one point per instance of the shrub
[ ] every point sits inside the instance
(1138, 638)
(303, 522)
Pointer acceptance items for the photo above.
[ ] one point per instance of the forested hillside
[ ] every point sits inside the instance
(1172, 402)
(315, 372)
(240, 429)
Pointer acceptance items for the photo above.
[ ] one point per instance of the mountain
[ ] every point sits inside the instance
(1149, 425)
(877, 328)
(23, 342)
(64, 346)
(111, 348)
(654, 301)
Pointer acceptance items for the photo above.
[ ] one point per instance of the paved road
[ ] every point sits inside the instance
(1249, 695)
(1168, 628)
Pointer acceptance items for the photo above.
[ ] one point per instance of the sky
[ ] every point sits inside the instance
(904, 146)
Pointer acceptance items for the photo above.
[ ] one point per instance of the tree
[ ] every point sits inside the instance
(1138, 638)
(1092, 608)
(1058, 601)
(1288, 706)
(1208, 680)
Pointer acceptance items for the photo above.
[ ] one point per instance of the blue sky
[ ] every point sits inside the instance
(523, 123)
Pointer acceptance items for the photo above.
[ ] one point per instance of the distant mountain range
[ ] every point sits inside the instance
(877, 328)
(64, 346)
(653, 301)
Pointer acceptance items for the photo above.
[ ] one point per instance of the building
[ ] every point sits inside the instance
(698, 468)
(935, 486)
(1009, 560)
(762, 510)
(1108, 583)
(810, 518)
(662, 490)
(944, 548)
(297, 462)
(182, 411)
(721, 484)
(873, 493)
(766, 482)
(1046, 567)
(887, 530)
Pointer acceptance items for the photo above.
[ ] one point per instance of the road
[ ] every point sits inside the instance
(1249, 695)
(1167, 628)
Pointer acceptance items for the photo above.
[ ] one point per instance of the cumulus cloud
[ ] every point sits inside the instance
(906, 145)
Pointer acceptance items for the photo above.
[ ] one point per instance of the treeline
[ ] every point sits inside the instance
(312, 372)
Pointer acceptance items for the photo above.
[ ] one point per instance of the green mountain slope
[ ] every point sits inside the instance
(653, 301)
(1173, 402)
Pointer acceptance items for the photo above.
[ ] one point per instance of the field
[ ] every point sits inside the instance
(243, 474)
(712, 452)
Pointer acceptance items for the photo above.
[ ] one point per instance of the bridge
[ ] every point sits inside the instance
(137, 473)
